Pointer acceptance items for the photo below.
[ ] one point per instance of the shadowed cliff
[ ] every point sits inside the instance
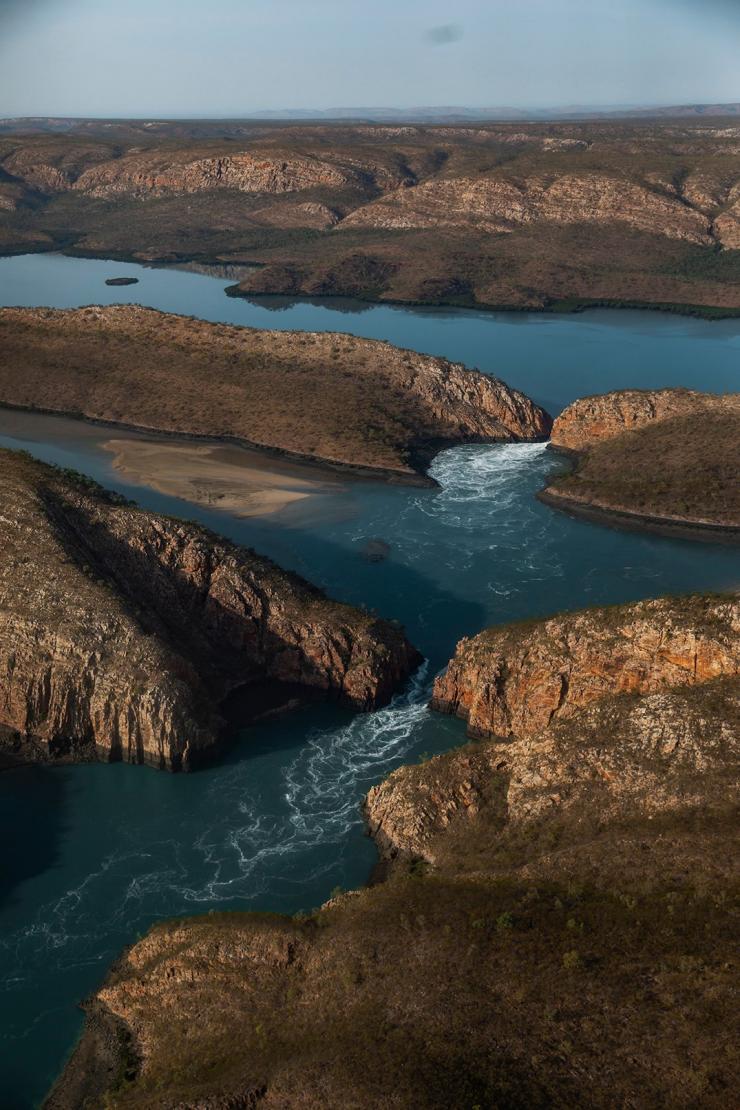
(122, 631)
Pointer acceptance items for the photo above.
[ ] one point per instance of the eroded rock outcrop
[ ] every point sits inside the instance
(500, 205)
(121, 631)
(569, 868)
(143, 173)
(660, 459)
(590, 420)
(354, 402)
(516, 680)
(622, 754)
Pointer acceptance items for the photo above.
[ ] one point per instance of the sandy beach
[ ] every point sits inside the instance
(233, 479)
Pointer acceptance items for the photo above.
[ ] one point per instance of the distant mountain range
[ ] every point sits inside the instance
(430, 115)
(438, 113)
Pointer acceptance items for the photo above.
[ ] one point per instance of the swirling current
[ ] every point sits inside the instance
(94, 854)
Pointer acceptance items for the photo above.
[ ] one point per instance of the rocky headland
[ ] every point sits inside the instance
(518, 215)
(517, 679)
(555, 928)
(622, 755)
(667, 460)
(359, 404)
(122, 632)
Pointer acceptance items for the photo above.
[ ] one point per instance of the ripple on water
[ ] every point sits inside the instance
(279, 824)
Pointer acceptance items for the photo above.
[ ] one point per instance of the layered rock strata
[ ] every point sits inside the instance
(645, 755)
(591, 420)
(515, 680)
(663, 459)
(122, 631)
(550, 901)
(153, 173)
(501, 205)
(355, 402)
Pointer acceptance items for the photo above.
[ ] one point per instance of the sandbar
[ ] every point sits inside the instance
(231, 479)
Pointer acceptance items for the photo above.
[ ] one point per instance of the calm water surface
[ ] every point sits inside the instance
(94, 854)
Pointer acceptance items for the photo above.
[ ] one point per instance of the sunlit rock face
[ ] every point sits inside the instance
(590, 420)
(517, 679)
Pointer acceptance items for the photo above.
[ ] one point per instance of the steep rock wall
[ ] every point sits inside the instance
(592, 419)
(121, 631)
(515, 680)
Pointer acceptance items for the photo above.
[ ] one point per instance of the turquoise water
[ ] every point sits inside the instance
(94, 854)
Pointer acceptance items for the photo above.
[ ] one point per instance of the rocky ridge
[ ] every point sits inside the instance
(497, 206)
(354, 402)
(121, 632)
(551, 901)
(666, 460)
(461, 215)
(150, 173)
(518, 679)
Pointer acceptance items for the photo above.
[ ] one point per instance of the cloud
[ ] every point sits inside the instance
(445, 34)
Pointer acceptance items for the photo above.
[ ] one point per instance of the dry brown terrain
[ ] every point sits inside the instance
(664, 459)
(121, 632)
(331, 398)
(556, 931)
(509, 214)
(518, 679)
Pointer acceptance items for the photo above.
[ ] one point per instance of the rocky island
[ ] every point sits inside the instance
(122, 632)
(358, 404)
(667, 460)
(555, 929)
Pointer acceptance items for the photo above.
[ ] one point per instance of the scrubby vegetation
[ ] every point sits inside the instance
(685, 468)
(556, 931)
(686, 170)
(336, 398)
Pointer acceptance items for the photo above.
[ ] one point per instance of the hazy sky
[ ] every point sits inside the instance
(227, 57)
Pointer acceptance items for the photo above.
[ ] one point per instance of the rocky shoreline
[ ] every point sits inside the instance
(122, 632)
(332, 399)
(331, 466)
(538, 874)
(612, 516)
(658, 460)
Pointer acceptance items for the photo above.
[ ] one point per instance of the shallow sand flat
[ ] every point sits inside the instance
(229, 478)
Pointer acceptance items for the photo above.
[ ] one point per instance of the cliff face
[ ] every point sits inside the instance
(727, 223)
(121, 631)
(663, 460)
(501, 205)
(552, 901)
(623, 754)
(518, 679)
(143, 174)
(590, 420)
(356, 402)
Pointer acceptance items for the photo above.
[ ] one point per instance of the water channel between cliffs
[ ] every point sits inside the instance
(94, 854)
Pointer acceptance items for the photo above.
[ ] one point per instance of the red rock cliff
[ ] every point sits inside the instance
(516, 679)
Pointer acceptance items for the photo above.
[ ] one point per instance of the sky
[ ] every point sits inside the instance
(231, 57)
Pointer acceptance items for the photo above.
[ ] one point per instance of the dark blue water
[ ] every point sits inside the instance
(553, 358)
(94, 854)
